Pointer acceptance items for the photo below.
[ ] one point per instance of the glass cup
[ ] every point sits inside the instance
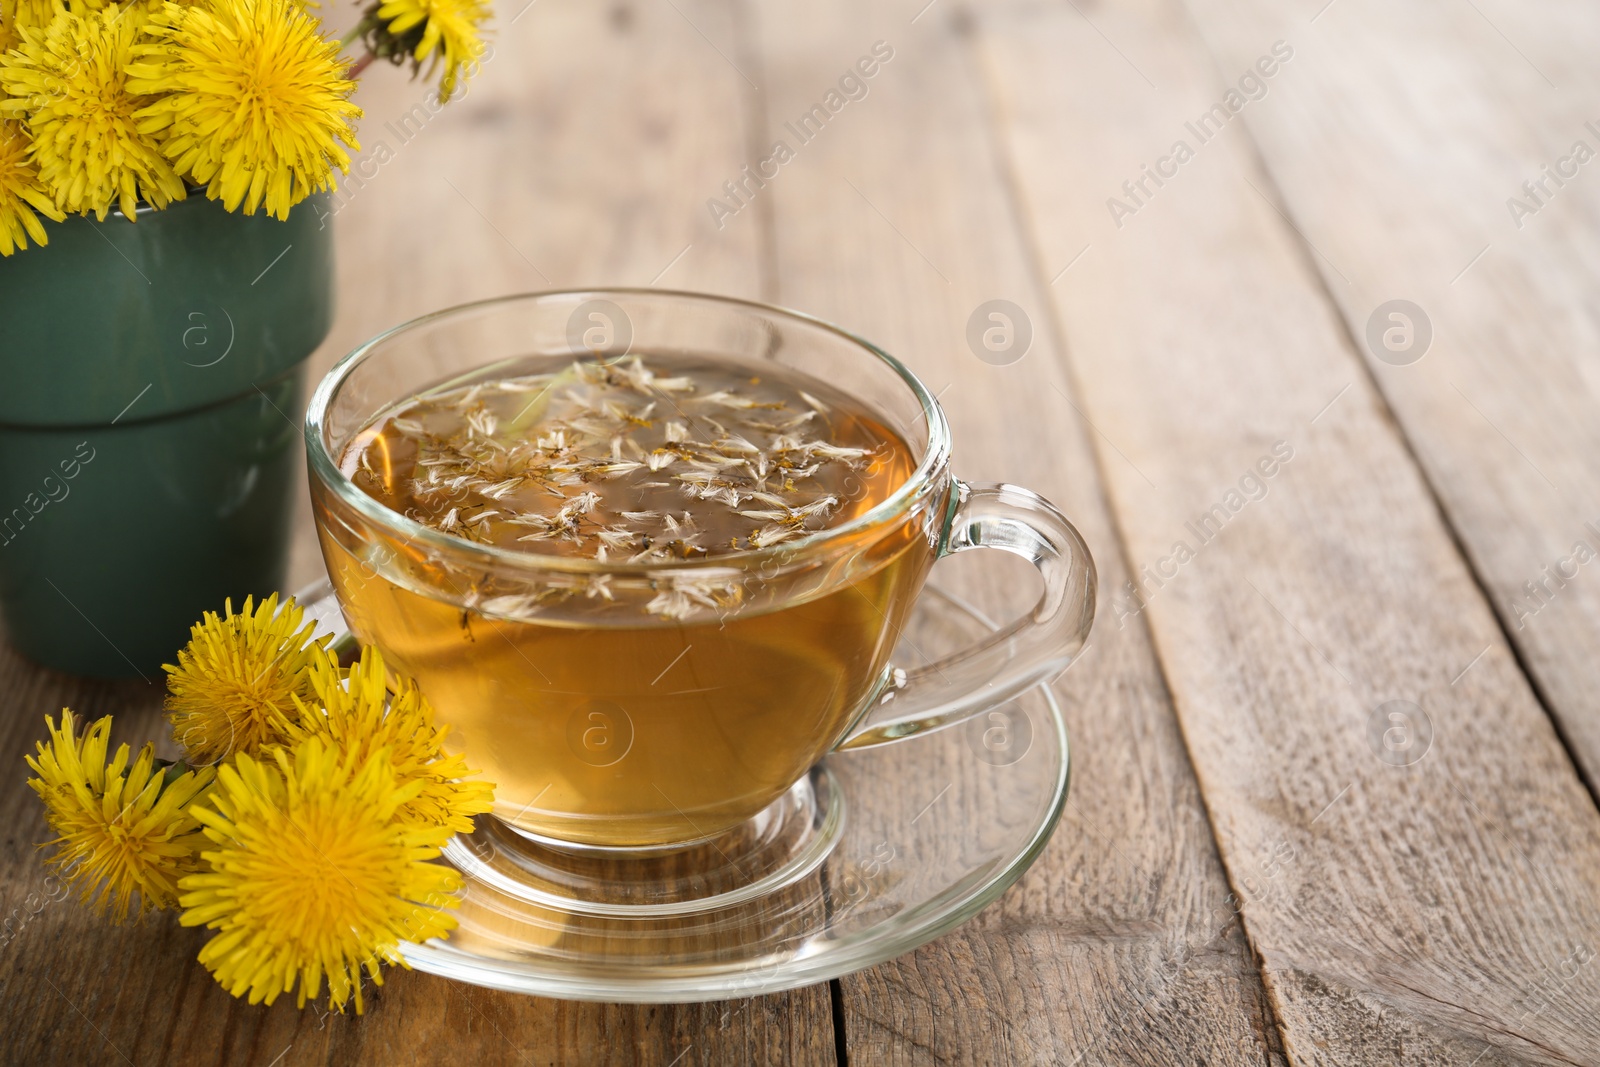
(612, 728)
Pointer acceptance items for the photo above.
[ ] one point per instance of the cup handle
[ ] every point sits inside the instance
(1033, 649)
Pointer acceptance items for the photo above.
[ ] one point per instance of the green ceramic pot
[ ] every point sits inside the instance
(151, 383)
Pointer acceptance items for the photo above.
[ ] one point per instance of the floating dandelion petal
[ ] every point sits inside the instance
(238, 677)
(120, 830)
(579, 475)
(312, 874)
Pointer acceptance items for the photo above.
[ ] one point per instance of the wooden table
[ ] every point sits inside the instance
(1259, 862)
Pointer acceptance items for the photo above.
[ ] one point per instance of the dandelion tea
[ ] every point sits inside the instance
(618, 707)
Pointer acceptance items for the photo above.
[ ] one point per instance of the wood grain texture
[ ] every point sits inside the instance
(1119, 945)
(577, 157)
(1445, 911)
(1401, 144)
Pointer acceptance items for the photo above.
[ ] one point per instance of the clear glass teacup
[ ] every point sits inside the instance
(607, 722)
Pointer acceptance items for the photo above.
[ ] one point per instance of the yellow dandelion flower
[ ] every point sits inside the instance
(357, 712)
(68, 81)
(446, 30)
(313, 875)
(119, 829)
(238, 677)
(254, 101)
(21, 193)
(35, 14)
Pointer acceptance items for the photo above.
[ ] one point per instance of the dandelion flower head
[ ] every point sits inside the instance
(68, 80)
(448, 31)
(311, 874)
(360, 713)
(253, 101)
(238, 677)
(21, 193)
(120, 830)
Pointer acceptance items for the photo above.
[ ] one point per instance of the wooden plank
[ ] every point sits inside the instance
(1407, 171)
(579, 156)
(1442, 910)
(1119, 945)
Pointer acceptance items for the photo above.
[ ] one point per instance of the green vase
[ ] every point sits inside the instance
(150, 424)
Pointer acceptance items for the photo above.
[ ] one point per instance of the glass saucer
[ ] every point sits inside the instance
(876, 852)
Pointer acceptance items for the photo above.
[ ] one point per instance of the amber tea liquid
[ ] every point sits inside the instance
(611, 709)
